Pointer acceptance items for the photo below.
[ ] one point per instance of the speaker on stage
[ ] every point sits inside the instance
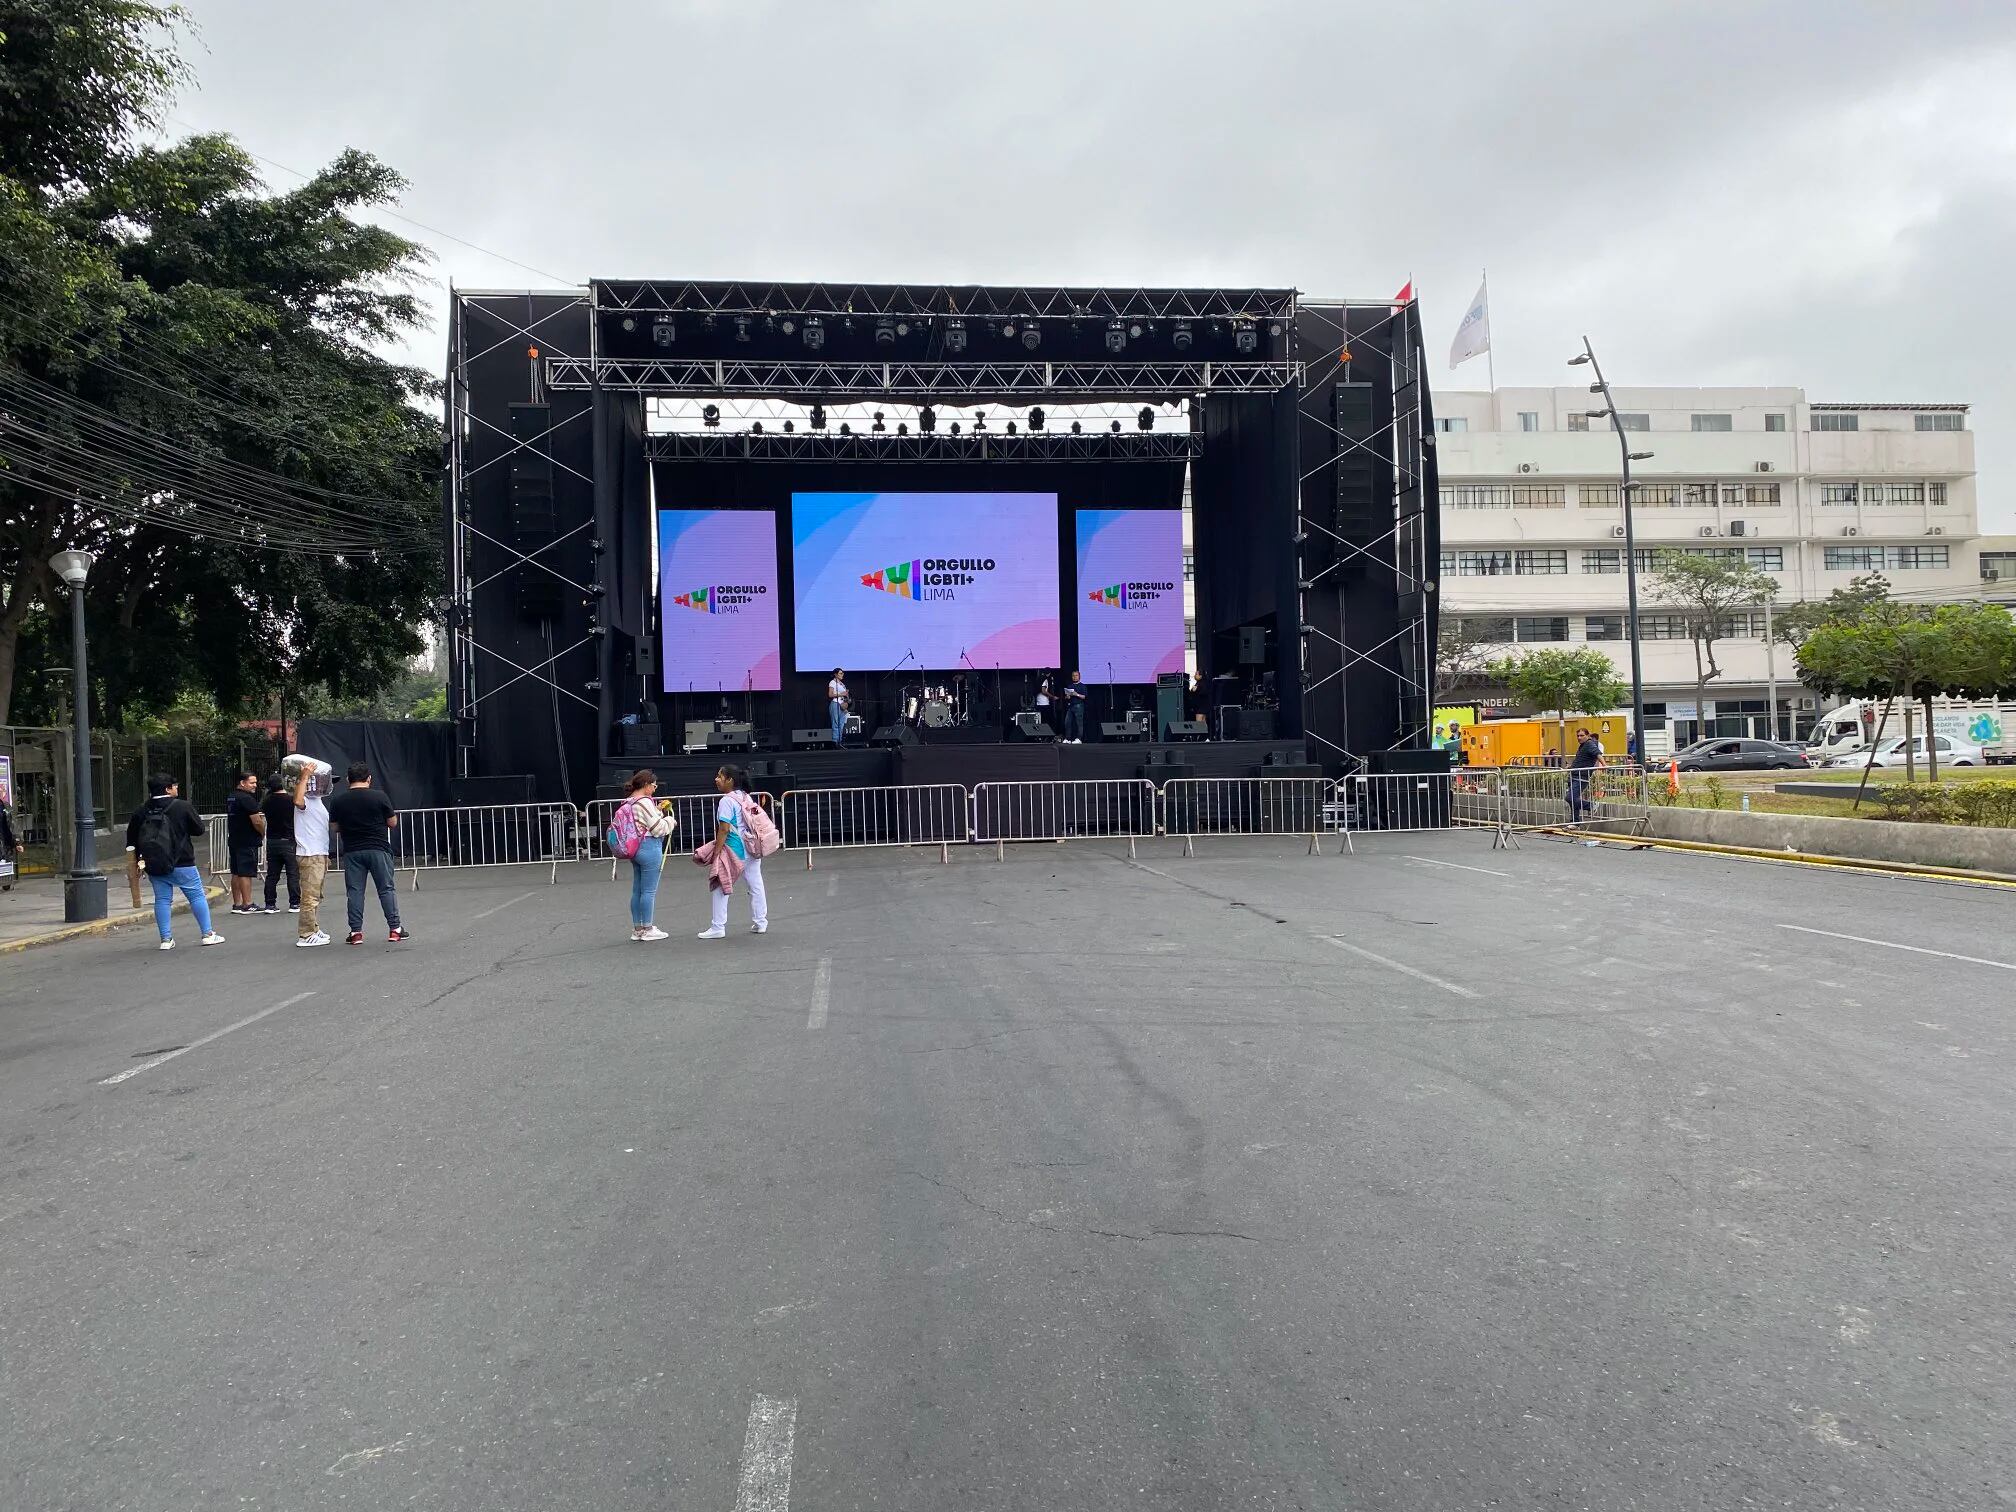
(1256, 724)
(1029, 725)
(1252, 645)
(1189, 729)
(633, 740)
(802, 740)
(1170, 689)
(1122, 733)
(893, 735)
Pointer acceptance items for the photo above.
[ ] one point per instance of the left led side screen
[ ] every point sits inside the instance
(717, 600)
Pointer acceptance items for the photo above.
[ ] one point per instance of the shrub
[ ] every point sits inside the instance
(1990, 803)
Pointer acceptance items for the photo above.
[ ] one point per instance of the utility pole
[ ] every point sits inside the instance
(1609, 411)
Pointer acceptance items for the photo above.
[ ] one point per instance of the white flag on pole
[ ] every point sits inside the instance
(1473, 336)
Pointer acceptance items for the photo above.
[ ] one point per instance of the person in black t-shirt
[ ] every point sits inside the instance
(162, 832)
(244, 825)
(278, 810)
(365, 818)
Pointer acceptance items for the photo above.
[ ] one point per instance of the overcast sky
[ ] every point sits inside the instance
(1819, 194)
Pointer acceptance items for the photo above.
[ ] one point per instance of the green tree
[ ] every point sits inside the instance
(1579, 681)
(1706, 592)
(1793, 623)
(191, 392)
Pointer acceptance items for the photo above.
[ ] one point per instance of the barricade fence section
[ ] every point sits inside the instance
(498, 834)
(1088, 809)
(1411, 802)
(1194, 806)
(1614, 798)
(864, 818)
(692, 813)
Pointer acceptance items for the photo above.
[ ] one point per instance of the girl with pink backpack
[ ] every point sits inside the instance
(638, 831)
(744, 831)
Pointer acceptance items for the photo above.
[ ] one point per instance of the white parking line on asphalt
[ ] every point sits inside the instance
(502, 906)
(765, 1484)
(1401, 966)
(1457, 865)
(822, 993)
(1895, 945)
(149, 1065)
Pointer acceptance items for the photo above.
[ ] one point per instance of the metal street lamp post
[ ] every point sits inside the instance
(84, 884)
(1602, 386)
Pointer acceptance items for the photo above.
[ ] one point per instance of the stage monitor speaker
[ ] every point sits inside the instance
(639, 739)
(1171, 688)
(1029, 725)
(1124, 733)
(1189, 729)
(802, 739)
(1252, 645)
(1256, 724)
(893, 735)
(731, 737)
(1410, 761)
(533, 521)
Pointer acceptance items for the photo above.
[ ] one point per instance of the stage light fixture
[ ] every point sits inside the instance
(1032, 338)
(1180, 338)
(955, 427)
(955, 336)
(902, 428)
(979, 421)
(885, 332)
(770, 324)
(1077, 429)
(629, 323)
(664, 330)
(1008, 330)
(1011, 427)
(1245, 337)
(927, 419)
(1146, 419)
(1116, 336)
(815, 333)
(846, 429)
(711, 416)
(818, 417)
(742, 329)
(1116, 427)
(756, 429)
(878, 425)
(1134, 330)
(1036, 418)
(1275, 328)
(902, 328)
(790, 426)
(707, 324)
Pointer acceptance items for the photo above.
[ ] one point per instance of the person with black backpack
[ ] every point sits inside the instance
(163, 834)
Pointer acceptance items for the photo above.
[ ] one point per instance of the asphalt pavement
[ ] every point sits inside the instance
(1434, 1177)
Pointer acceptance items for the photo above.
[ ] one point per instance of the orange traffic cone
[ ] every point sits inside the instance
(1673, 777)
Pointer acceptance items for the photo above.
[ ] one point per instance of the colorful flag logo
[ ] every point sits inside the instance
(900, 579)
(1115, 596)
(700, 599)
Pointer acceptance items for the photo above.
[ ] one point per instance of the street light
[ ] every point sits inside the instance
(1609, 411)
(84, 885)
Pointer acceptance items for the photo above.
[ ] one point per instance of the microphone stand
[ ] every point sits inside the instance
(978, 687)
(907, 656)
(1112, 717)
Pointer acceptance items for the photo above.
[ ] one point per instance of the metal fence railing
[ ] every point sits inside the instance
(496, 834)
(1609, 797)
(1198, 806)
(693, 813)
(862, 818)
(1085, 809)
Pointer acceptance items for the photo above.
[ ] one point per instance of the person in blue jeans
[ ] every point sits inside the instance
(162, 832)
(647, 867)
(836, 705)
(365, 818)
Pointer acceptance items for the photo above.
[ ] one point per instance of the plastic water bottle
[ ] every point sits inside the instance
(1746, 803)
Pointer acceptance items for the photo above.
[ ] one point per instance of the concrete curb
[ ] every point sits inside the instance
(97, 926)
(1798, 858)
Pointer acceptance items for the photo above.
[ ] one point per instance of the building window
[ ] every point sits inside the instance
(1189, 567)
(1852, 558)
(1578, 421)
(1602, 559)
(1505, 496)
(1540, 563)
(1529, 420)
(1486, 630)
(1540, 495)
(1455, 425)
(1634, 422)
(1598, 496)
(1544, 627)
(1750, 493)
(1905, 493)
(1713, 423)
(1917, 558)
(1662, 627)
(1483, 563)
(1836, 420)
(1946, 420)
(1998, 566)
(1765, 558)
(1448, 564)
(1189, 635)
(1743, 624)
(1840, 493)
(1774, 421)
(1935, 493)
(1603, 627)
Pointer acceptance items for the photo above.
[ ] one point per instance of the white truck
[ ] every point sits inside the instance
(1849, 730)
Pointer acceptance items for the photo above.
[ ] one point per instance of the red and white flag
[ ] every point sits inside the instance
(1406, 294)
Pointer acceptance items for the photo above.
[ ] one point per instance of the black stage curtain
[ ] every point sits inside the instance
(408, 757)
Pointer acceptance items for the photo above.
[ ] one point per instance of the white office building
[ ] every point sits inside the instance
(1815, 494)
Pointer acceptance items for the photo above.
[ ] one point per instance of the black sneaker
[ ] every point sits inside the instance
(397, 935)
(269, 908)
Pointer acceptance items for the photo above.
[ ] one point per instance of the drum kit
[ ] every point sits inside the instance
(937, 706)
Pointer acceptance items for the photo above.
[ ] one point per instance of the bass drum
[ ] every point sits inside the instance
(937, 714)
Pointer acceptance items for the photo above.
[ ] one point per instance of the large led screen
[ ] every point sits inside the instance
(717, 600)
(1130, 594)
(925, 579)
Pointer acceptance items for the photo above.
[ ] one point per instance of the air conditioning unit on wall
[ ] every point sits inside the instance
(1764, 467)
(1616, 532)
(1849, 530)
(1936, 530)
(1706, 530)
(1528, 467)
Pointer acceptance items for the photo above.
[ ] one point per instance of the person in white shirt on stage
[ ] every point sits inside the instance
(836, 705)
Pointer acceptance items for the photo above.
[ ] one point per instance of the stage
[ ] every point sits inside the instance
(965, 765)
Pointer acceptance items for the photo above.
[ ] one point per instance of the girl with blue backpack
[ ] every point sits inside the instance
(638, 831)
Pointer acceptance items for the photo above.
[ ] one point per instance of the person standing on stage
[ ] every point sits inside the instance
(647, 867)
(1074, 710)
(836, 705)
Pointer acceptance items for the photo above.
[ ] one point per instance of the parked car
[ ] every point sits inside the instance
(1892, 753)
(1739, 756)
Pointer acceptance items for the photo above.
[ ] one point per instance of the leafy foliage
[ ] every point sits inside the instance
(1705, 592)
(1580, 681)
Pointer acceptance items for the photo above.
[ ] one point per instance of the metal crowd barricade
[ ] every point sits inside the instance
(217, 845)
(1417, 802)
(494, 834)
(693, 813)
(1609, 797)
(866, 818)
(1193, 806)
(1081, 809)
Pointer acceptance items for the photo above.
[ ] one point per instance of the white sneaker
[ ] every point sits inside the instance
(762, 928)
(167, 944)
(317, 938)
(654, 933)
(213, 938)
(713, 934)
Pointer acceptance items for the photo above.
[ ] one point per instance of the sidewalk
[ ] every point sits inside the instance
(32, 914)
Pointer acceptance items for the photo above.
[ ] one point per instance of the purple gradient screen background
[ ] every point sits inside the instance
(1009, 617)
(737, 647)
(1145, 638)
